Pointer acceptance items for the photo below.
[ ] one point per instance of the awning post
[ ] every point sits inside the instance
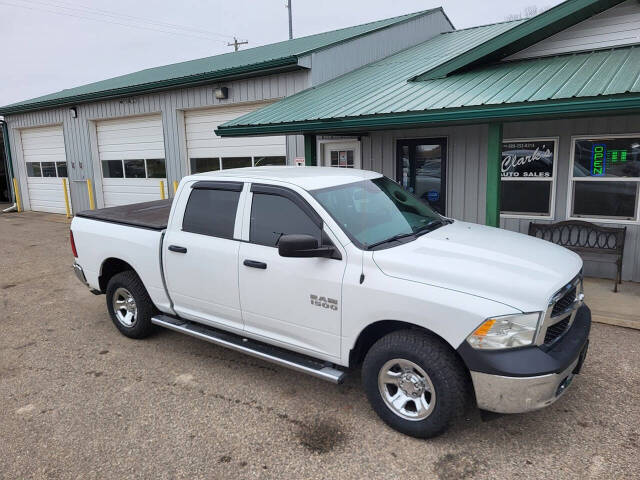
(494, 159)
(310, 150)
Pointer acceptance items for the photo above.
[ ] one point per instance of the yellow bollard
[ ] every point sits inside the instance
(17, 192)
(92, 204)
(161, 190)
(66, 197)
(175, 187)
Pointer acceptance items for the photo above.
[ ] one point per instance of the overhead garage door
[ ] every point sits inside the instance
(131, 152)
(46, 165)
(206, 151)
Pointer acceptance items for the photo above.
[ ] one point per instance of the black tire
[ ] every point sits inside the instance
(141, 326)
(447, 374)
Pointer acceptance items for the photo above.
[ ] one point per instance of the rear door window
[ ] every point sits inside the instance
(211, 212)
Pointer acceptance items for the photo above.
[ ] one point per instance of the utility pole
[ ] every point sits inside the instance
(235, 44)
(288, 5)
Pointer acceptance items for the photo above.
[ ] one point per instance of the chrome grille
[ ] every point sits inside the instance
(555, 330)
(565, 302)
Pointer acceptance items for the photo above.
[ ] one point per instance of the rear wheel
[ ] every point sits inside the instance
(129, 305)
(415, 383)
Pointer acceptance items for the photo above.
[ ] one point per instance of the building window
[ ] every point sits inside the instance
(147, 168)
(47, 169)
(342, 158)
(605, 178)
(200, 165)
(528, 177)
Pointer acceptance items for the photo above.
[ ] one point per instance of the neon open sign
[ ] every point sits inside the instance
(598, 159)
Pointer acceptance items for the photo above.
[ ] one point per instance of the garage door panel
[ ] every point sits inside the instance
(137, 138)
(116, 135)
(40, 145)
(202, 142)
(127, 124)
(134, 190)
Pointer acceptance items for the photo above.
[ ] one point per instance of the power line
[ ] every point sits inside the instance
(103, 20)
(102, 12)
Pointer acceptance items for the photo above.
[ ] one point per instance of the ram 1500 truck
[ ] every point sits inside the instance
(325, 269)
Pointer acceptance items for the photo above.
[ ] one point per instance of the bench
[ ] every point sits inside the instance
(584, 237)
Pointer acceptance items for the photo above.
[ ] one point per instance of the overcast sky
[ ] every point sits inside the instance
(50, 45)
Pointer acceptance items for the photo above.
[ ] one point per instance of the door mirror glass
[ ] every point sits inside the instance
(302, 246)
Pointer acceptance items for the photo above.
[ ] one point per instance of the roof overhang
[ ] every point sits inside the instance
(280, 65)
(574, 107)
(522, 36)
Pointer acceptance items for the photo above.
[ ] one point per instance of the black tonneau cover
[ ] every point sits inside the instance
(152, 215)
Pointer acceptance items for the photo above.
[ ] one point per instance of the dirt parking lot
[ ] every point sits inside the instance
(79, 400)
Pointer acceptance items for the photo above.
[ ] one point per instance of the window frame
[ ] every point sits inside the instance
(220, 158)
(571, 180)
(40, 162)
(124, 174)
(553, 180)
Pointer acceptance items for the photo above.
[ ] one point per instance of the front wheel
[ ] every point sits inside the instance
(415, 383)
(129, 305)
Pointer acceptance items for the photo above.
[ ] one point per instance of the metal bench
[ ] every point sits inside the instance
(585, 237)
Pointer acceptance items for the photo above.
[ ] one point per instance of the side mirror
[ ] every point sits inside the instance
(302, 246)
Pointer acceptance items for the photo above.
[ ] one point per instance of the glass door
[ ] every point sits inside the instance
(421, 169)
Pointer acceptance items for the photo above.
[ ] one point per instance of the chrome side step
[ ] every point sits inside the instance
(279, 356)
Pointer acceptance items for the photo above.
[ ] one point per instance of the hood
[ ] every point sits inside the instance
(511, 268)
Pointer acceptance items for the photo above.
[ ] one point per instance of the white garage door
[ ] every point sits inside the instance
(206, 151)
(131, 152)
(46, 165)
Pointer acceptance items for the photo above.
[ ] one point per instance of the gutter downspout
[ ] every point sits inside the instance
(7, 155)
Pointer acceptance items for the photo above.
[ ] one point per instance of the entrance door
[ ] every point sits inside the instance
(341, 154)
(422, 166)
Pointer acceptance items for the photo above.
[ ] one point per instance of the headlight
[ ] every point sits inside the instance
(508, 331)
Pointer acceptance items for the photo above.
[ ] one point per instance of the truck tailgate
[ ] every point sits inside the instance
(152, 215)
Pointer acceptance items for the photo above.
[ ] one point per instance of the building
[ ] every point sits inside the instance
(504, 124)
(117, 139)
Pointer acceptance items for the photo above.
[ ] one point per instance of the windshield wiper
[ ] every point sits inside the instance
(391, 239)
(429, 227)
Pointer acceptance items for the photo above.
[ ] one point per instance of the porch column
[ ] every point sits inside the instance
(494, 158)
(310, 150)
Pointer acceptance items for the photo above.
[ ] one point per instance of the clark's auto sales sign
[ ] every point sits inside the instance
(526, 159)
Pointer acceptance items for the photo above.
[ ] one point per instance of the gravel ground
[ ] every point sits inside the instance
(79, 400)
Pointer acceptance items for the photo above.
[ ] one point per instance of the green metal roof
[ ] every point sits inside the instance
(276, 57)
(382, 94)
(527, 33)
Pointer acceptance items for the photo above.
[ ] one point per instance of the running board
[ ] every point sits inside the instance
(279, 356)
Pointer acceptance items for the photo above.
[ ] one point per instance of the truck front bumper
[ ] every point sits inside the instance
(530, 378)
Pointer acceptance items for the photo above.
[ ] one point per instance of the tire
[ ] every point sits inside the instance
(417, 362)
(133, 318)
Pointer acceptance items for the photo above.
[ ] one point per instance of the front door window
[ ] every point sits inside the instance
(421, 170)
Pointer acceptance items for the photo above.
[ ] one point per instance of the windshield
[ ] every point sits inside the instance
(377, 212)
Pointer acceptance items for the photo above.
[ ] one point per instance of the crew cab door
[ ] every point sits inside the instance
(293, 301)
(200, 253)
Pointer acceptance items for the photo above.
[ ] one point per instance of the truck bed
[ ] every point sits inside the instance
(151, 215)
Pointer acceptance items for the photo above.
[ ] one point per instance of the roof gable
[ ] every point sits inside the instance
(527, 33)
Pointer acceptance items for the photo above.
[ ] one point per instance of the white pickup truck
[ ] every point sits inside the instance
(324, 269)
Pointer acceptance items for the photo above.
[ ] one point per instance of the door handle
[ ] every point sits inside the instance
(177, 249)
(254, 264)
